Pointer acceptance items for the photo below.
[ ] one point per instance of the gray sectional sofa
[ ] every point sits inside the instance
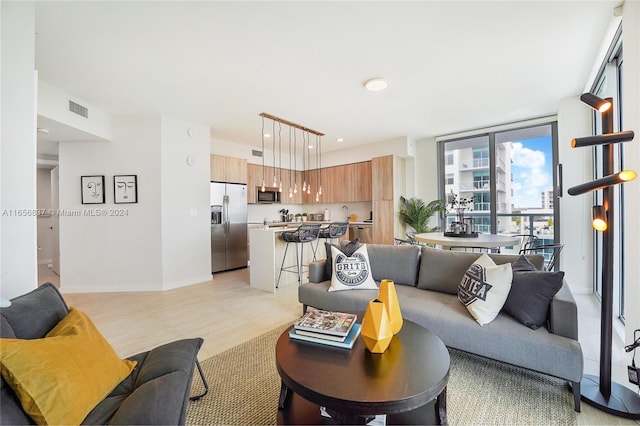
(426, 283)
(156, 392)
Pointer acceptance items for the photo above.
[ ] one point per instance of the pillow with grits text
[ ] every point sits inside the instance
(351, 272)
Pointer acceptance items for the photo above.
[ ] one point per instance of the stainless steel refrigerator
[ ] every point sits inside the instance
(228, 226)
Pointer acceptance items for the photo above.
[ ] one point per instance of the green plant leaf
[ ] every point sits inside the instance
(415, 213)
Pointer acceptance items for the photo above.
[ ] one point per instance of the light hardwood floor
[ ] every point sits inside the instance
(226, 311)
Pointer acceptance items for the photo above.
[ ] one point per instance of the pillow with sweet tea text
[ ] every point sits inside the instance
(484, 288)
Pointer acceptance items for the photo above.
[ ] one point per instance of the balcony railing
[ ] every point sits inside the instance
(474, 186)
(480, 162)
(540, 225)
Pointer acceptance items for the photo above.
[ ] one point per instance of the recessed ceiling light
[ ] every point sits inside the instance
(43, 130)
(340, 140)
(267, 135)
(376, 84)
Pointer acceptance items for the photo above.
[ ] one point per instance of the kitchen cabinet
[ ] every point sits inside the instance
(228, 169)
(382, 172)
(341, 184)
(255, 176)
(388, 184)
(362, 181)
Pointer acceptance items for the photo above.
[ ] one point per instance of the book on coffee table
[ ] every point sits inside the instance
(326, 322)
(321, 335)
(347, 344)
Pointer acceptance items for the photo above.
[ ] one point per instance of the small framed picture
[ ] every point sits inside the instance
(92, 189)
(125, 189)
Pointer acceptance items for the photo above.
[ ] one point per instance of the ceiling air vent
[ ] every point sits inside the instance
(78, 109)
(256, 153)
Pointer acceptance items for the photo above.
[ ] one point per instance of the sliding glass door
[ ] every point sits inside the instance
(510, 175)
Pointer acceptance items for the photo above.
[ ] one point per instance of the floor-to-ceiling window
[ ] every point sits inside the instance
(510, 176)
(608, 84)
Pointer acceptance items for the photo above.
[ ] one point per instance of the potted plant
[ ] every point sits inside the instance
(298, 217)
(304, 217)
(459, 205)
(415, 213)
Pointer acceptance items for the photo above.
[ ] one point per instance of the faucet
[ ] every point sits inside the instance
(345, 210)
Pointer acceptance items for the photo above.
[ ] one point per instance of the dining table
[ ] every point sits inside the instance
(481, 240)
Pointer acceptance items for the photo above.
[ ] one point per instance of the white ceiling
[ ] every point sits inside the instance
(451, 66)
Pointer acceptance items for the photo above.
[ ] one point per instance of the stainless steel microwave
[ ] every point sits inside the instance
(269, 196)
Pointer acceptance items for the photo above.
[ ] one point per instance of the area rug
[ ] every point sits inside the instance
(244, 387)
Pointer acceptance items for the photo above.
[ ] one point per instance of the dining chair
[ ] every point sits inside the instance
(551, 253)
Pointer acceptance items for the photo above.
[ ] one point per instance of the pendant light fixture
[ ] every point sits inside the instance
(317, 171)
(295, 163)
(304, 160)
(280, 156)
(319, 156)
(306, 157)
(308, 168)
(273, 152)
(290, 187)
(263, 188)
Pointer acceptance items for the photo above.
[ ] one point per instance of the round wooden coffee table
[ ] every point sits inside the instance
(407, 382)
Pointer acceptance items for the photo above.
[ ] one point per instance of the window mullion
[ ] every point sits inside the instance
(492, 186)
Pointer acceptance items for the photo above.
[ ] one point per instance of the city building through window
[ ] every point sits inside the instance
(510, 176)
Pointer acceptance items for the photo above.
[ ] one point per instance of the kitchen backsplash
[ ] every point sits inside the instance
(257, 212)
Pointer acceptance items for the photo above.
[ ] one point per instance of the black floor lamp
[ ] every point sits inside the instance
(600, 391)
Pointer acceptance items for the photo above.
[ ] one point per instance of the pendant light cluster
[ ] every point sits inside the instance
(307, 156)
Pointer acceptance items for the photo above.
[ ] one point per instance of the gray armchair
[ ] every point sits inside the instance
(156, 392)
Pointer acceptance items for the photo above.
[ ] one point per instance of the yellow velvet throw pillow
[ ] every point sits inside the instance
(60, 378)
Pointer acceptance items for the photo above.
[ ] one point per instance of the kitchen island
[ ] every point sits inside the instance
(267, 250)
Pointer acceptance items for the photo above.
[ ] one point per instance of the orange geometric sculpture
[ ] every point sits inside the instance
(376, 329)
(388, 296)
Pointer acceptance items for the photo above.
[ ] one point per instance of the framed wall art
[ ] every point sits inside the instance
(92, 189)
(125, 189)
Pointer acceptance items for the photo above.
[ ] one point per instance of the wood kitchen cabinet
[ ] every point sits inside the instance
(228, 169)
(388, 184)
(362, 181)
(342, 184)
(255, 176)
(382, 172)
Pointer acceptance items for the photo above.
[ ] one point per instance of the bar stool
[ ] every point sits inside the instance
(330, 232)
(304, 234)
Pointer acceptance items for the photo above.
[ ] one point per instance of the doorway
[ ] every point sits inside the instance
(47, 225)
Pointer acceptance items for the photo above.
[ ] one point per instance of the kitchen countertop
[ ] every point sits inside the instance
(311, 222)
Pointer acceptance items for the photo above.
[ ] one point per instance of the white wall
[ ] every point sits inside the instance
(159, 243)
(186, 241)
(631, 119)
(401, 146)
(53, 104)
(112, 253)
(398, 146)
(574, 120)
(18, 258)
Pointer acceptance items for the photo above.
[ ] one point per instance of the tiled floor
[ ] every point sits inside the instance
(226, 311)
